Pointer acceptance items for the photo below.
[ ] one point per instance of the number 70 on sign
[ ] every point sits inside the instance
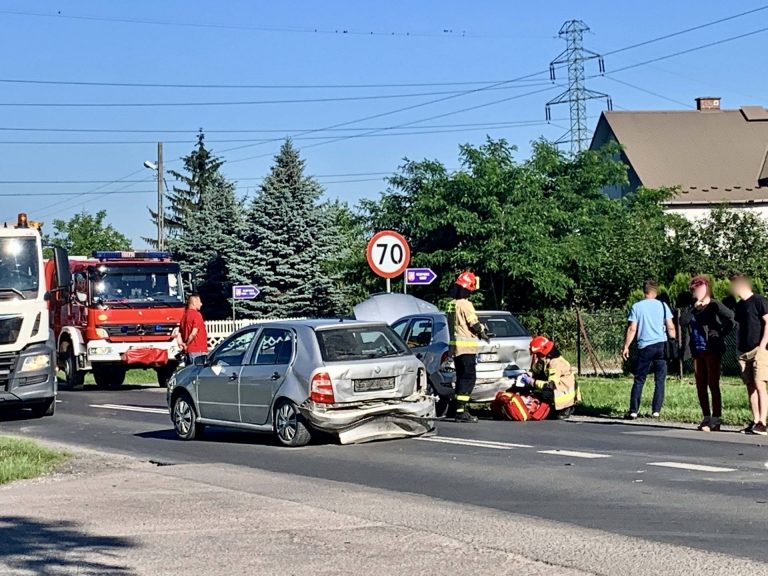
(388, 254)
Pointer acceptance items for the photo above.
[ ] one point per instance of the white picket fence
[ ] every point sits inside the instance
(220, 329)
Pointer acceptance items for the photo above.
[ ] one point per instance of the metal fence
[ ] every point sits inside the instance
(593, 341)
(220, 329)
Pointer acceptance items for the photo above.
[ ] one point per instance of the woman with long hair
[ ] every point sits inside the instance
(705, 323)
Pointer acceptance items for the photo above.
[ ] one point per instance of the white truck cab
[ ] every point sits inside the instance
(27, 345)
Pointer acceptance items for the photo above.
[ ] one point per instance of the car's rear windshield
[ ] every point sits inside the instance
(360, 343)
(503, 325)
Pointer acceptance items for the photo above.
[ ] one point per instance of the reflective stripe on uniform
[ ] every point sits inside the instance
(464, 342)
(462, 397)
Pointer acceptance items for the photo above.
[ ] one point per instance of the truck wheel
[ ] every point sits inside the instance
(164, 374)
(45, 408)
(107, 376)
(73, 378)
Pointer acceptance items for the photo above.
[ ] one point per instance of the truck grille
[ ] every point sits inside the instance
(117, 330)
(10, 326)
(7, 365)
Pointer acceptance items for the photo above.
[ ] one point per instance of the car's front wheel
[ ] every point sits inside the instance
(290, 428)
(184, 419)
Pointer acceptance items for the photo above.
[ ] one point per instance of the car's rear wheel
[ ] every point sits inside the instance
(289, 425)
(184, 419)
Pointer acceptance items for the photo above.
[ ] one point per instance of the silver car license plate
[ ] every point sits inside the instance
(487, 357)
(374, 384)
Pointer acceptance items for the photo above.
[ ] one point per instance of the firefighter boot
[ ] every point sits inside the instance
(462, 413)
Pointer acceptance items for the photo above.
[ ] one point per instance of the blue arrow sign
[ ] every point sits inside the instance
(419, 276)
(245, 292)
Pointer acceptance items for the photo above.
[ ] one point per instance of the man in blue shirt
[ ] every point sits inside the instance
(651, 321)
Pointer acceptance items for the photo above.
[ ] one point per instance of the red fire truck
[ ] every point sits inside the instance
(123, 312)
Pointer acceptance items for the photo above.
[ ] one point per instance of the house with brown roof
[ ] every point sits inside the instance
(711, 155)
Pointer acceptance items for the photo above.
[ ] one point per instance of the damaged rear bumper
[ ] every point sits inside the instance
(381, 420)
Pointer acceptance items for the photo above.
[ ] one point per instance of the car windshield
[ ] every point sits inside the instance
(360, 343)
(19, 267)
(503, 325)
(141, 284)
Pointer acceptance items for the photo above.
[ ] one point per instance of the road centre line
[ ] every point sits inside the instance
(694, 467)
(473, 443)
(574, 454)
(130, 408)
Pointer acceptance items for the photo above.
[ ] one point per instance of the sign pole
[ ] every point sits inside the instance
(405, 285)
(389, 285)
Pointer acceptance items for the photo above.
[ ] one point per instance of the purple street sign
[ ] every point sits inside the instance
(244, 292)
(419, 276)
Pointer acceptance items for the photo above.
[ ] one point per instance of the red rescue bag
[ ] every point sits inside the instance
(514, 406)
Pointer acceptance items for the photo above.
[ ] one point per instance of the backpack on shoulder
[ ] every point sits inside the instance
(518, 407)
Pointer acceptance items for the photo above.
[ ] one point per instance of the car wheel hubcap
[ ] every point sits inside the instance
(287, 422)
(182, 417)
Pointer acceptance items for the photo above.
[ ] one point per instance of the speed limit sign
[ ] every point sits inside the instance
(388, 254)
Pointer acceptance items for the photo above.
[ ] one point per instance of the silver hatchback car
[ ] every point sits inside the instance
(356, 380)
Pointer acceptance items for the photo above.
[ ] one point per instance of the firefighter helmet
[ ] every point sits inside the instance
(541, 345)
(468, 280)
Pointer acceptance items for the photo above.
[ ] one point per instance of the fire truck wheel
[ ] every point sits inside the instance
(164, 374)
(107, 376)
(73, 378)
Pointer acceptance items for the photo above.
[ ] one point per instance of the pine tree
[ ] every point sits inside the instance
(291, 237)
(210, 244)
(181, 200)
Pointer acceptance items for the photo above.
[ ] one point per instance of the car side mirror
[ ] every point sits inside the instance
(200, 360)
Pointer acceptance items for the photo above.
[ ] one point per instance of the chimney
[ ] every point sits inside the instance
(708, 103)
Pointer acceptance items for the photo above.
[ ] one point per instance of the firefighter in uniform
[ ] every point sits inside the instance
(465, 329)
(552, 377)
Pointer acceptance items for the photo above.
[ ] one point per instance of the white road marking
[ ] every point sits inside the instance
(694, 467)
(474, 443)
(575, 454)
(130, 408)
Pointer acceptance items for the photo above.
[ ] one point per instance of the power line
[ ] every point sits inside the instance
(686, 30)
(406, 124)
(686, 51)
(651, 92)
(253, 130)
(247, 102)
(390, 112)
(375, 133)
(243, 86)
(341, 31)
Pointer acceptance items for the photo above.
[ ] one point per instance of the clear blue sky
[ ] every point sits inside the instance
(275, 43)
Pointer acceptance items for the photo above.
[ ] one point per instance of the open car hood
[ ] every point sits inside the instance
(391, 307)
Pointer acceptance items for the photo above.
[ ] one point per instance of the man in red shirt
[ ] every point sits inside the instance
(193, 337)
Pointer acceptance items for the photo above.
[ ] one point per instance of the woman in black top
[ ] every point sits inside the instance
(704, 325)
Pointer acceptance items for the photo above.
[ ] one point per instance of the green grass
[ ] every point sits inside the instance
(21, 459)
(610, 397)
(132, 377)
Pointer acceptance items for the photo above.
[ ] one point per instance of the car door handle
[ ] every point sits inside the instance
(420, 356)
(276, 376)
(233, 376)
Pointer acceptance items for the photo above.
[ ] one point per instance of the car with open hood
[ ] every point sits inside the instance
(356, 380)
(425, 330)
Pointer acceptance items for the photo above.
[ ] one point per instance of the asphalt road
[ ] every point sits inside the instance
(706, 491)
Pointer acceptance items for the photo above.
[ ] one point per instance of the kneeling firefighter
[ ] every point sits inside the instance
(552, 377)
(465, 329)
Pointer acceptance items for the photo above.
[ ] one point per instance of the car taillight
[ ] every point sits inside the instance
(321, 389)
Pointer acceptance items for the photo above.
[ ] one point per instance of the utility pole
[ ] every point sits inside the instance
(577, 94)
(160, 194)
